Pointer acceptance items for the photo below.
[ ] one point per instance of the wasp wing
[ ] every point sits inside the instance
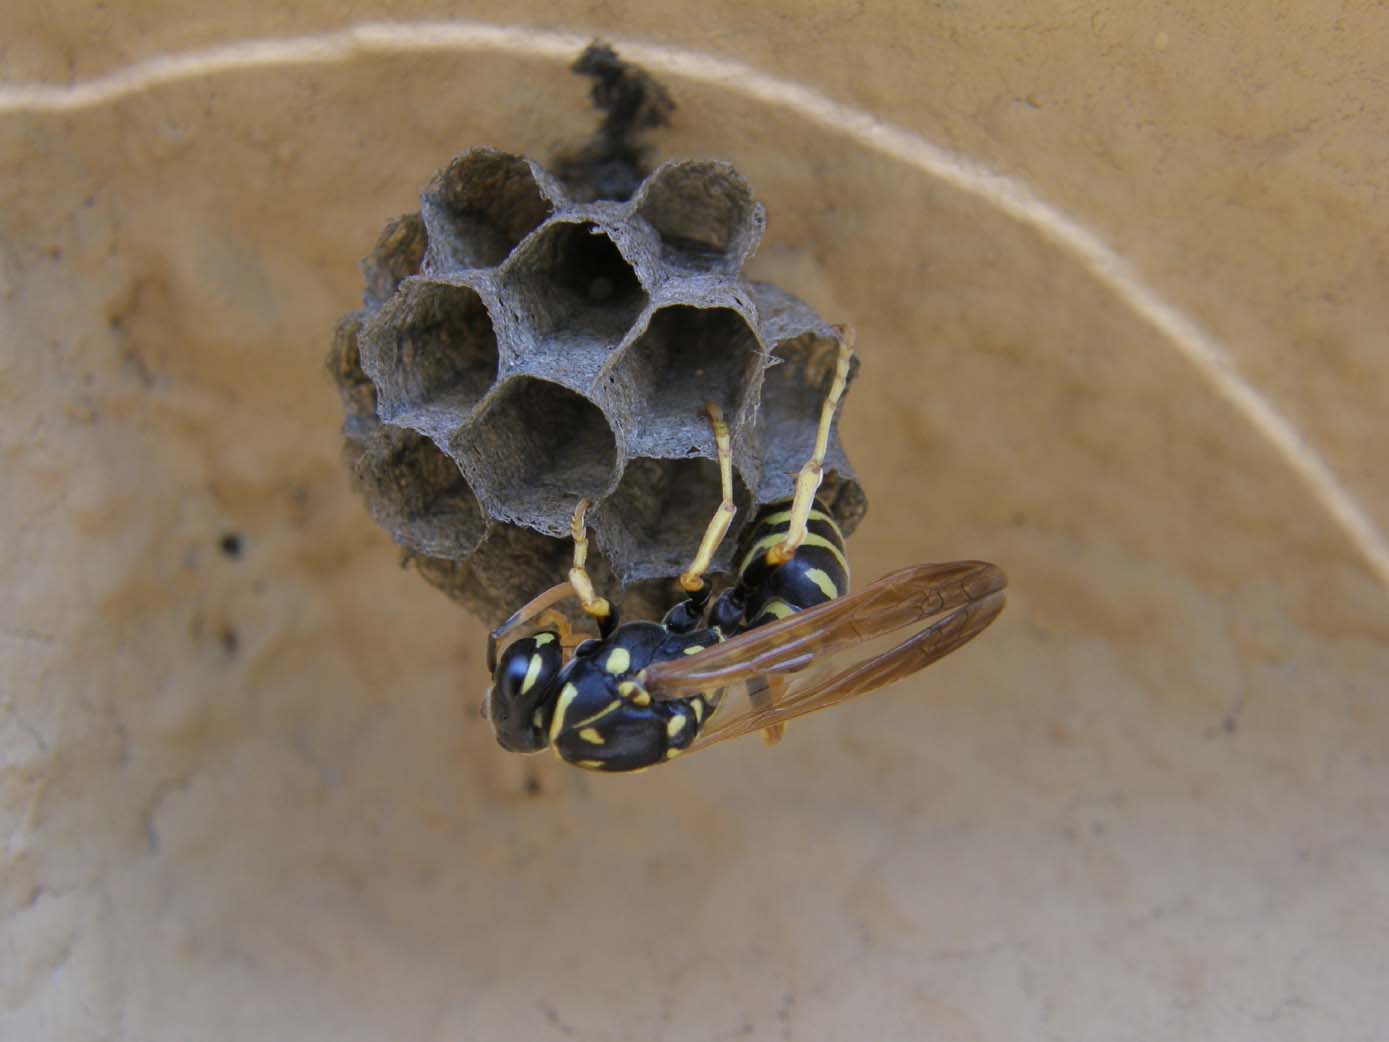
(902, 598)
(785, 699)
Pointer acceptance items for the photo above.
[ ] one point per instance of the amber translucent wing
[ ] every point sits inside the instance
(903, 598)
(810, 693)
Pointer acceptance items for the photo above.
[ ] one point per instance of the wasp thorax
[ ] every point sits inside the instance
(522, 348)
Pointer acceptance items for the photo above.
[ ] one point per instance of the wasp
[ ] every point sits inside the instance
(644, 692)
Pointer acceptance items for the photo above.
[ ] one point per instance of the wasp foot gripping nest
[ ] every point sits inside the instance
(520, 350)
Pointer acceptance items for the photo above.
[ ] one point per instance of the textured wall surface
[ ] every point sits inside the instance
(243, 793)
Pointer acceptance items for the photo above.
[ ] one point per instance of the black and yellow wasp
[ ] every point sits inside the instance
(642, 693)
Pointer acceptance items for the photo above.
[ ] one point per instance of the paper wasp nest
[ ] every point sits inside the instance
(519, 350)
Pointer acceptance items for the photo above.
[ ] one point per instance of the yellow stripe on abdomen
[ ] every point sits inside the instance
(821, 578)
(766, 542)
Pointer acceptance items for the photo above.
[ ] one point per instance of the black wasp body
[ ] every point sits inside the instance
(645, 692)
(595, 711)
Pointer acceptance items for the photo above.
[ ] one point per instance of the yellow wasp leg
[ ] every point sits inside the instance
(692, 579)
(532, 608)
(557, 620)
(808, 480)
(542, 605)
(593, 605)
(767, 699)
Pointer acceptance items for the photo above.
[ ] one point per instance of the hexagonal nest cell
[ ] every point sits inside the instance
(686, 358)
(704, 213)
(431, 353)
(577, 285)
(418, 493)
(479, 207)
(520, 350)
(535, 450)
(664, 504)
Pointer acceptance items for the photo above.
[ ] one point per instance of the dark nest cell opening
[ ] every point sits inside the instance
(432, 352)
(415, 491)
(686, 358)
(577, 284)
(666, 504)
(545, 448)
(479, 208)
(704, 212)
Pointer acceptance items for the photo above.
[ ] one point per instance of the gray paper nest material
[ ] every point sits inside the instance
(519, 350)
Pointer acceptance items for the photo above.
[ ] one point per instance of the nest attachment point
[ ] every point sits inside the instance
(520, 349)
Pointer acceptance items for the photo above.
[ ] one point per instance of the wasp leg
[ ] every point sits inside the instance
(729, 611)
(808, 480)
(537, 605)
(596, 606)
(578, 584)
(692, 579)
(764, 693)
(557, 620)
(687, 615)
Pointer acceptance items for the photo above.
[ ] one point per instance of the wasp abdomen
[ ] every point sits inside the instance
(818, 571)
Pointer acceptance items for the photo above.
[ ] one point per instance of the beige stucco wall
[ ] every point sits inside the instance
(1118, 281)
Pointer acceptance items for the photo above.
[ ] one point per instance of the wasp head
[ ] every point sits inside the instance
(520, 699)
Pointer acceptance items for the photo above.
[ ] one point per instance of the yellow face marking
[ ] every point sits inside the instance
(538, 718)
(541, 639)
(619, 661)
(760, 548)
(675, 725)
(692, 648)
(821, 579)
(532, 673)
(698, 706)
(567, 695)
(591, 736)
